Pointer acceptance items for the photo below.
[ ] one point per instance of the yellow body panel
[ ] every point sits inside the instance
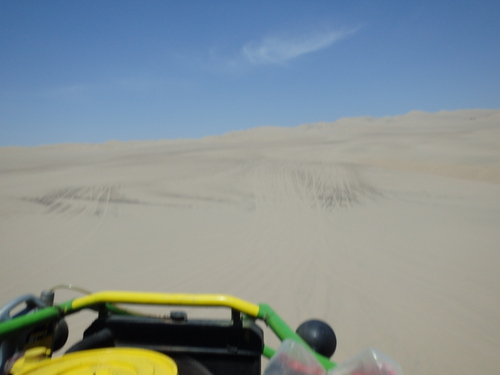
(115, 361)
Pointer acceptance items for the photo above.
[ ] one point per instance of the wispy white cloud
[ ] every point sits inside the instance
(275, 50)
(80, 92)
(136, 84)
(281, 49)
(69, 92)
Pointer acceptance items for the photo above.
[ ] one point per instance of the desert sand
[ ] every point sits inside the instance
(387, 228)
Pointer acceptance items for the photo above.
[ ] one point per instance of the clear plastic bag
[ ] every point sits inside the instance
(369, 362)
(292, 358)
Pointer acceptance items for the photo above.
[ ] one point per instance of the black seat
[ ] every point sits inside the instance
(223, 347)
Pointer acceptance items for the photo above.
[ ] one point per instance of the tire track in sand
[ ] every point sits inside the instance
(96, 203)
(292, 199)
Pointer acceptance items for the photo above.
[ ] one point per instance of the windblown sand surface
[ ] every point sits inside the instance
(387, 228)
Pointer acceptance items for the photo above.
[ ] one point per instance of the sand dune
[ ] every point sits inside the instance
(387, 228)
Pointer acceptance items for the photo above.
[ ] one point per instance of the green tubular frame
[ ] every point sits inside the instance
(283, 331)
(96, 300)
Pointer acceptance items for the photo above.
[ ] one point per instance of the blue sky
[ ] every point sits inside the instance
(93, 71)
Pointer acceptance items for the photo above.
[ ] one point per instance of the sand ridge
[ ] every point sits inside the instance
(387, 228)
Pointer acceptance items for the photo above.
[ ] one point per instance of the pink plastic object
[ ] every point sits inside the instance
(368, 362)
(292, 358)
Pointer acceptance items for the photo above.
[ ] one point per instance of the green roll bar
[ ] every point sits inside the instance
(96, 300)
